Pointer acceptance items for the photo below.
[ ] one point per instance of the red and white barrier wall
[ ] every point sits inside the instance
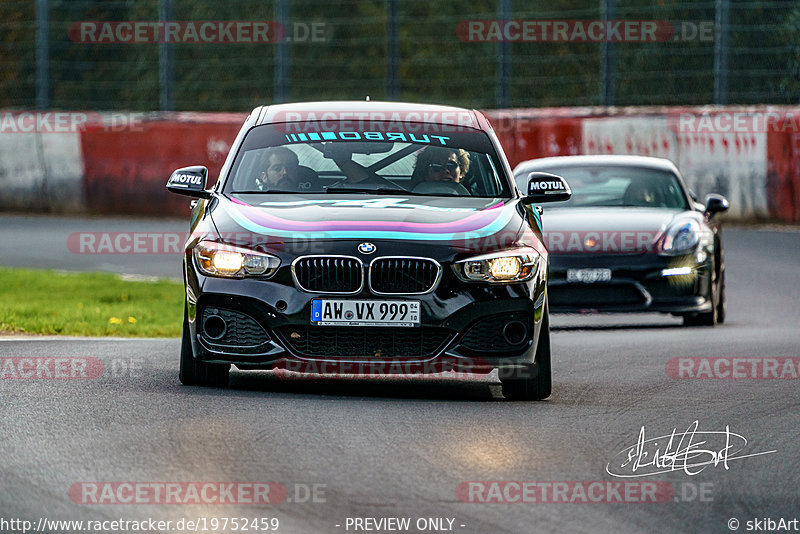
(749, 154)
(110, 163)
(39, 171)
(125, 171)
(112, 166)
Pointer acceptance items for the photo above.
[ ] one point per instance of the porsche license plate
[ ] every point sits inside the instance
(328, 312)
(588, 276)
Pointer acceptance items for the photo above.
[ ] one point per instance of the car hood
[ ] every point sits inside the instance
(459, 222)
(608, 230)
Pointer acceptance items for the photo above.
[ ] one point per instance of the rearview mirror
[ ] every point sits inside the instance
(546, 187)
(716, 204)
(189, 181)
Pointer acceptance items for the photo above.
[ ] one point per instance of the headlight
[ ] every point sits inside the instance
(681, 237)
(517, 265)
(228, 261)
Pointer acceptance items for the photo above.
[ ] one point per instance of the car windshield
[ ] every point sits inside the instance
(427, 160)
(617, 186)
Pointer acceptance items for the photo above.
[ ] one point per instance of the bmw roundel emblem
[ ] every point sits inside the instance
(366, 248)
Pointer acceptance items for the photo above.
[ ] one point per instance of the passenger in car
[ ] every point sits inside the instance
(440, 164)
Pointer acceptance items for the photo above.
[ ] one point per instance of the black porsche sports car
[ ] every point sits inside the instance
(366, 237)
(632, 239)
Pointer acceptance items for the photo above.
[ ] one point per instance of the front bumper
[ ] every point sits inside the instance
(637, 284)
(267, 325)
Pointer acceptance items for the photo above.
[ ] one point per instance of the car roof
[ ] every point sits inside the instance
(371, 111)
(598, 161)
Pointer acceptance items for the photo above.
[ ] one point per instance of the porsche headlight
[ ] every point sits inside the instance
(516, 265)
(228, 261)
(682, 237)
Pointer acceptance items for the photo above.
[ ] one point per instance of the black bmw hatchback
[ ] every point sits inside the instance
(363, 238)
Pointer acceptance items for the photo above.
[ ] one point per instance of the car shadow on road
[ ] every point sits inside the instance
(620, 326)
(378, 387)
(570, 322)
(251, 384)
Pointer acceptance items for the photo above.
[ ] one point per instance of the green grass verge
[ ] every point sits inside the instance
(88, 304)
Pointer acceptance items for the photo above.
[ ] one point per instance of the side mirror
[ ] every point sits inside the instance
(716, 204)
(546, 187)
(189, 181)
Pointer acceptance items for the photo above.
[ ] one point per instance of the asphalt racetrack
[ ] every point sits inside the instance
(446, 453)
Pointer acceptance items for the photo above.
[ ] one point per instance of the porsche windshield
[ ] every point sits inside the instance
(623, 185)
(426, 161)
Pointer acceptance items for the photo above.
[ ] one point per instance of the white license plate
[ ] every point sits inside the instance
(588, 276)
(327, 312)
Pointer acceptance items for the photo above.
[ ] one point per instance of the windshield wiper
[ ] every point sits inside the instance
(375, 190)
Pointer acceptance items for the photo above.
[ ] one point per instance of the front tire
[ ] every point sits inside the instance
(722, 304)
(540, 386)
(194, 372)
(716, 294)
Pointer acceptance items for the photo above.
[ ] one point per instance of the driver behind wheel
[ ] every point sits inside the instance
(642, 193)
(280, 169)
